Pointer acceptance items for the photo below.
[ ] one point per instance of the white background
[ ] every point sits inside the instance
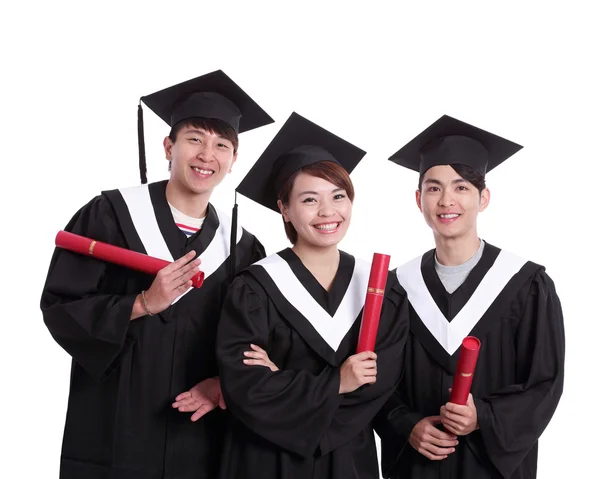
(376, 75)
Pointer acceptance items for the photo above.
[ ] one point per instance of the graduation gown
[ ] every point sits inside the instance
(125, 374)
(509, 304)
(293, 423)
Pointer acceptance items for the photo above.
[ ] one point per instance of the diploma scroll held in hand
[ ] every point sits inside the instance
(114, 254)
(373, 303)
(463, 377)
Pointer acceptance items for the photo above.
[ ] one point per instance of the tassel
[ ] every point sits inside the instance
(141, 145)
(233, 243)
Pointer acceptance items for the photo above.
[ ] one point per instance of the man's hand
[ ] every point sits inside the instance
(460, 420)
(259, 357)
(170, 282)
(430, 441)
(202, 398)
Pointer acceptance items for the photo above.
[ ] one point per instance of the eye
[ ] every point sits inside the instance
(433, 189)
(462, 188)
(309, 200)
(339, 196)
(196, 140)
(223, 145)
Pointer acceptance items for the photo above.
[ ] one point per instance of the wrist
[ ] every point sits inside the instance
(145, 304)
(138, 308)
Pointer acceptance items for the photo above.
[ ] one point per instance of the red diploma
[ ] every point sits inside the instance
(116, 255)
(373, 303)
(463, 377)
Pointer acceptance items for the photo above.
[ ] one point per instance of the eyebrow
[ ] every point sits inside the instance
(202, 132)
(317, 193)
(438, 182)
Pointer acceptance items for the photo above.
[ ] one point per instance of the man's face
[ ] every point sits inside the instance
(199, 159)
(449, 203)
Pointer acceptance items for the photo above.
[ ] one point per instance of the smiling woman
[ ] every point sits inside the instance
(335, 191)
(289, 328)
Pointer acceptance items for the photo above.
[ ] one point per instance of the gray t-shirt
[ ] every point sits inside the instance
(453, 276)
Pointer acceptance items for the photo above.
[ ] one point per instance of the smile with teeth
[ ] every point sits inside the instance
(327, 226)
(449, 216)
(202, 171)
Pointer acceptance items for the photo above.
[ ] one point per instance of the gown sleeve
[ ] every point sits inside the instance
(288, 408)
(358, 408)
(512, 419)
(81, 303)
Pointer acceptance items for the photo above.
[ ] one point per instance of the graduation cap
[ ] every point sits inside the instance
(212, 96)
(449, 141)
(299, 143)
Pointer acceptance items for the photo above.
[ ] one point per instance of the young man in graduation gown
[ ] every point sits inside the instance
(466, 286)
(143, 348)
(308, 414)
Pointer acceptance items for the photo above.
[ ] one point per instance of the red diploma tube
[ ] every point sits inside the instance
(463, 377)
(372, 310)
(114, 254)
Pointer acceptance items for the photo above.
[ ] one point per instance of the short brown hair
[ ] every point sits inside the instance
(210, 125)
(327, 170)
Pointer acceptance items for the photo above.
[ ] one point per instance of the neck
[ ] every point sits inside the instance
(321, 262)
(189, 203)
(455, 251)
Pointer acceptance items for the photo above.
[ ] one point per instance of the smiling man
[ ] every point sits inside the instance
(464, 287)
(143, 348)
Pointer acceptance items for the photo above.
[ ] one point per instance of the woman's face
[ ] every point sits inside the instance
(319, 211)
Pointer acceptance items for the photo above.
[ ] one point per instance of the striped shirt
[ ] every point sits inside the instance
(187, 224)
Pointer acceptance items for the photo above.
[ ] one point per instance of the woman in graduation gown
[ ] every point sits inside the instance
(309, 414)
(136, 341)
(469, 287)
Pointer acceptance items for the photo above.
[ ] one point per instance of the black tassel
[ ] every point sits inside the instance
(141, 145)
(233, 243)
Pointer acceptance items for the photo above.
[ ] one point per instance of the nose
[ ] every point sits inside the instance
(447, 199)
(205, 152)
(326, 209)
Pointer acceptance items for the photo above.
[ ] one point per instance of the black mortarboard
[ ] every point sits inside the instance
(298, 143)
(449, 141)
(213, 96)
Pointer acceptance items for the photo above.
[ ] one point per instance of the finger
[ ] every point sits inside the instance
(441, 442)
(222, 404)
(255, 355)
(363, 356)
(183, 276)
(369, 380)
(431, 456)
(182, 288)
(437, 434)
(437, 451)
(435, 419)
(183, 395)
(370, 372)
(185, 402)
(449, 416)
(202, 411)
(258, 348)
(453, 429)
(191, 407)
(457, 408)
(177, 264)
(258, 362)
(369, 364)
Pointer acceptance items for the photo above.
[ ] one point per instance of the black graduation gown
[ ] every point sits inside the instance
(293, 424)
(517, 383)
(126, 374)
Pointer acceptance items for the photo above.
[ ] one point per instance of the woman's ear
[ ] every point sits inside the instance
(284, 211)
